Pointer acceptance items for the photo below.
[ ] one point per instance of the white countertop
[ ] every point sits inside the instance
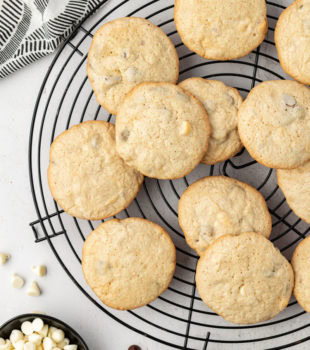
(60, 297)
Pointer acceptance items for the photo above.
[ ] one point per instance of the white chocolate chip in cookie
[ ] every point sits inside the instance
(110, 80)
(185, 128)
(288, 100)
(132, 74)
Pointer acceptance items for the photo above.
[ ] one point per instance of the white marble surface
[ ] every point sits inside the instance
(60, 297)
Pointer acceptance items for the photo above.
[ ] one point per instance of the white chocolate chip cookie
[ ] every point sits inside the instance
(244, 278)
(221, 30)
(300, 263)
(86, 176)
(274, 123)
(128, 263)
(295, 184)
(292, 38)
(218, 205)
(161, 130)
(222, 103)
(125, 52)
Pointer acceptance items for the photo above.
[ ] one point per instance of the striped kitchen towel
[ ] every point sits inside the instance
(30, 29)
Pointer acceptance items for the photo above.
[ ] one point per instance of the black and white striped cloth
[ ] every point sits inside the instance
(30, 29)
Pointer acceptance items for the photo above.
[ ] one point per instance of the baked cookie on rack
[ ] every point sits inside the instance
(128, 263)
(162, 130)
(244, 278)
(274, 122)
(86, 176)
(217, 205)
(222, 103)
(292, 35)
(221, 30)
(300, 263)
(295, 184)
(126, 52)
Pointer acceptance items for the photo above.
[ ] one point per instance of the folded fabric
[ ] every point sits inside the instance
(31, 29)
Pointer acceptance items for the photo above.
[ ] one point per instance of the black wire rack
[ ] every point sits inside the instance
(178, 318)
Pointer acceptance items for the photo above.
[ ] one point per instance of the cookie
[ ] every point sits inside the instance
(128, 263)
(295, 184)
(300, 263)
(244, 278)
(221, 30)
(222, 103)
(218, 205)
(86, 176)
(292, 35)
(274, 123)
(161, 130)
(126, 52)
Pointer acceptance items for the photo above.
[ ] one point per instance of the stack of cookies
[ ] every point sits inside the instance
(164, 131)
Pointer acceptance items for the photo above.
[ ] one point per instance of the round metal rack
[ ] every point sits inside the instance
(178, 318)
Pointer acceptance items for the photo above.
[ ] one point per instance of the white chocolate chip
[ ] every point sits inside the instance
(209, 106)
(6, 346)
(4, 258)
(125, 53)
(58, 335)
(16, 335)
(289, 100)
(185, 128)
(35, 338)
(44, 331)
(27, 328)
(39, 270)
(17, 281)
(33, 290)
(95, 141)
(37, 325)
(50, 331)
(29, 346)
(131, 74)
(71, 347)
(2, 341)
(19, 345)
(48, 343)
(63, 343)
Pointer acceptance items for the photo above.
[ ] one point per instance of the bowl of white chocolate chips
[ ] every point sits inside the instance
(39, 332)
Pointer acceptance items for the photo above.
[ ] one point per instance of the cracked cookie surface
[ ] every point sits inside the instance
(126, 52)
(222, 103)
(162, 130)
(128, 263)
(86, 176)
(244, 278)
(292, 39)
(274, 123)
(221, 30)
(218, 205)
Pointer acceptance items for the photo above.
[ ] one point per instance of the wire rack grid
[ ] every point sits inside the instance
(178, 318)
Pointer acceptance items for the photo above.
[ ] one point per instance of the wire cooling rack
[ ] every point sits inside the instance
(178, 318)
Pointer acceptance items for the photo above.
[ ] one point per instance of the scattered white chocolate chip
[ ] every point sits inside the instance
(131, 74)
(58, 335)
(185, 128)
(38, 325)
(4, 258)
(17, 281)
(40, 270)
(33, 290)
(27, 328)
(16, 335)
(289, 100)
